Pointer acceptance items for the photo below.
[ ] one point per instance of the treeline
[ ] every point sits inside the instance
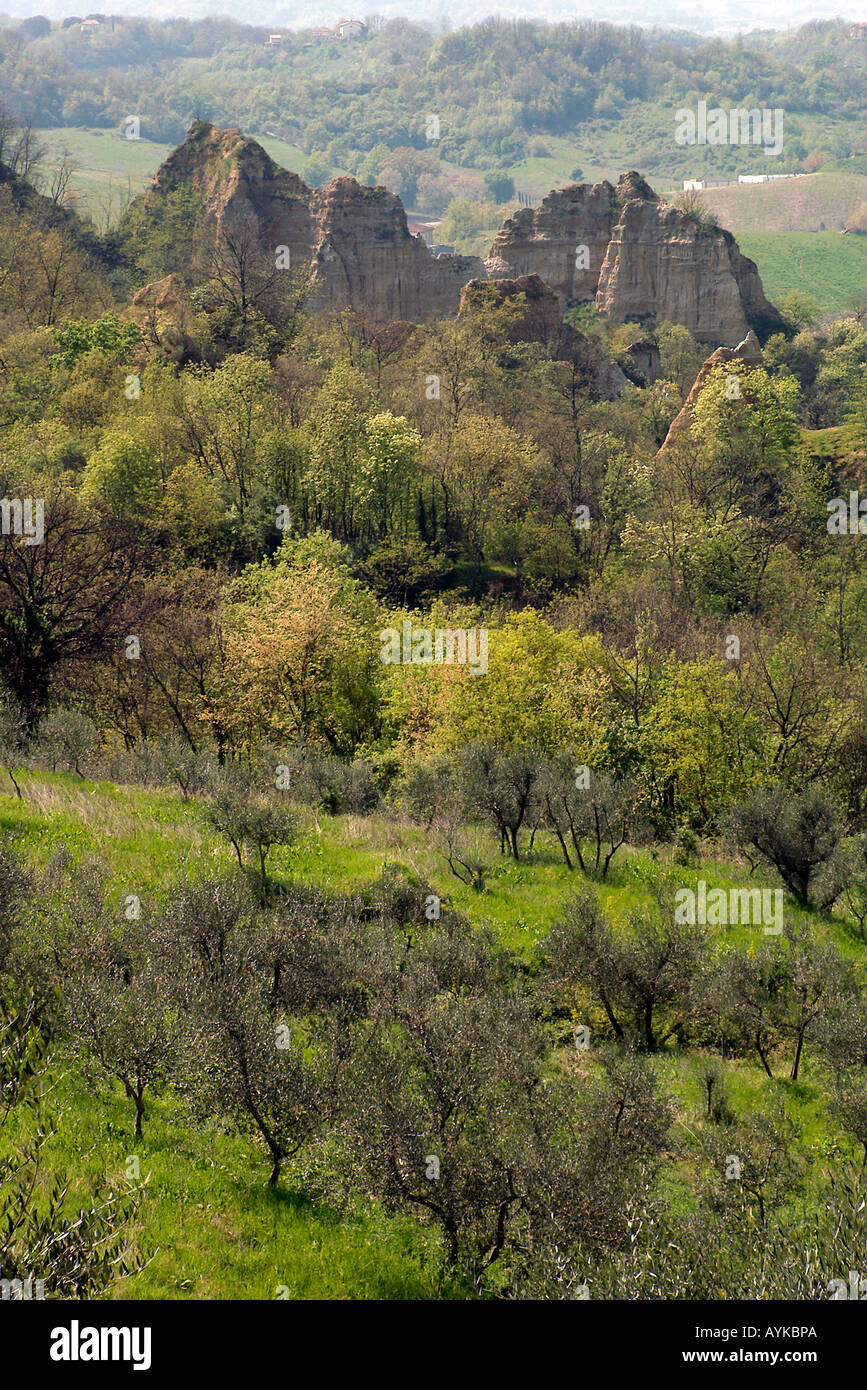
(494, 85)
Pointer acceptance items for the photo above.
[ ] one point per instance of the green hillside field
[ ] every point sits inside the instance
(207, 1221)
(829, 266)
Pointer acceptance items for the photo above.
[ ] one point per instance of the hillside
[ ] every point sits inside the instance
(433, 685)
(830, 267)
(213, 1230)
(811, 203)
(567, 96)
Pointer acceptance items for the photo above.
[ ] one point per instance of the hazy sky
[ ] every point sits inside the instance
(721, 16)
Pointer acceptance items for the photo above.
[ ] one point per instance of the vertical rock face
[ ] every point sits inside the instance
(364, 255)
(648, 261)
(660, 265)
(354, 239)
(642, 363)
(547, 240)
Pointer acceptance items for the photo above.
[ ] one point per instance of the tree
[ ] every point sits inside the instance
(502, 787)
(500, 186)
(299, 654)
(76, 1253)
(250, 819)
(434, 1114)
(122, 476)
(849, 1106)
(642, 979)
(61, 601)
(225, 417)
(752, 1161)
(70, 738)
(12, 739)
(273, 1073)
(262, 1005)
(603, 812)
(744, 995)
(798, 834)
(854, 878)
(250, 297)
(386, 475)
(799, 310)
(820, 981)
(115, 1011)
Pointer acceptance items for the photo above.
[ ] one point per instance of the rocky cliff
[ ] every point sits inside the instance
(638, 258)
(364, 255)
(547, 240)
(634, 255)
(749, 352)
(354, 239)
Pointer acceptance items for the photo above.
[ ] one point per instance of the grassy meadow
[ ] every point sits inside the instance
(208, 1223)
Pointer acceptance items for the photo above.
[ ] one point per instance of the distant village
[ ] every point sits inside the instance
(343, 29)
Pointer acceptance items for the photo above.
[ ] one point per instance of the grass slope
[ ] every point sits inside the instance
(830, 267)
(212, 1227)
(107, 169)
(809, 203)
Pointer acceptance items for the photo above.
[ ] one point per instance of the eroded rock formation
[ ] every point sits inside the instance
(623, 248)
(538, 319)
(748, 351)
(638, 258)
(354, 239)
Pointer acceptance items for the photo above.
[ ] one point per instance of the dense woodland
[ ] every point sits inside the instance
(240, 500)
(498, 88)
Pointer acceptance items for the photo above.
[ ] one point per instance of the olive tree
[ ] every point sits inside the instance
(799, 834)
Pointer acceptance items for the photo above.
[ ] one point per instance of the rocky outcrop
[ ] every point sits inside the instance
(536, 318)
(641, 362)
(643, 260)
(355, 240)
(162, 313)
(635, 256)
(749, 352)
(365, 256)
(548, 240)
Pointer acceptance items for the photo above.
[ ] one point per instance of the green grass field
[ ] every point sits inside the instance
(830, 267)
(107, 169)
(209, 1224)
